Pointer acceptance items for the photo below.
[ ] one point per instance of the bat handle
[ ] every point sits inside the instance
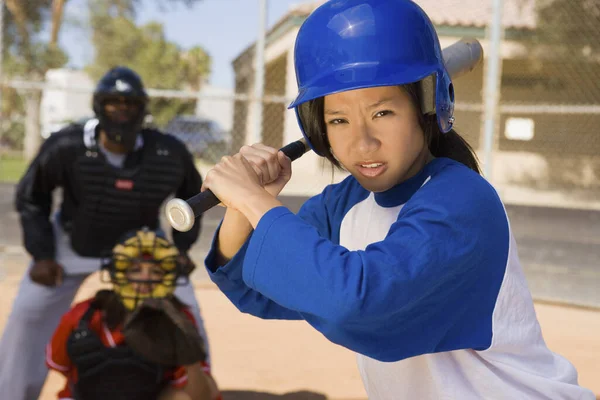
(182, 214)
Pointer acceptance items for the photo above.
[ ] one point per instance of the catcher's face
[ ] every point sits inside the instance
(137, 279)
(144, 277)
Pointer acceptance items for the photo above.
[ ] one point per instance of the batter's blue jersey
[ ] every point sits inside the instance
(423, 281)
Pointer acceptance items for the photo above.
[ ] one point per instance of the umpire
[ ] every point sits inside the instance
(114, 177)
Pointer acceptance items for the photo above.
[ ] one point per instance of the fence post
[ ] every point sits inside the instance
(493, 76)
(259, 73)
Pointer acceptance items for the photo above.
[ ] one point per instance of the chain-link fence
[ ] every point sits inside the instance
(549, 105)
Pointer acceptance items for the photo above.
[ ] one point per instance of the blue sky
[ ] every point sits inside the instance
(222, 27)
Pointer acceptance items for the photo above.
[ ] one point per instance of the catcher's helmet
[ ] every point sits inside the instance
(354, 44)
(144, 264)
(124, 84)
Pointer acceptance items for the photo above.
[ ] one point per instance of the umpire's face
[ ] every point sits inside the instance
(122, 109)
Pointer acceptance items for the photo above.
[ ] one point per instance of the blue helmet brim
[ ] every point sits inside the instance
(361, 76)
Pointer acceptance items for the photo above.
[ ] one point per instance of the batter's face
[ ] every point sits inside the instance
(375, 134)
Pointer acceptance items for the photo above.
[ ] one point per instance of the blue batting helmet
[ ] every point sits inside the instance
(353, 44)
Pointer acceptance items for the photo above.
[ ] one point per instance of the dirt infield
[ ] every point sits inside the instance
(287, 360)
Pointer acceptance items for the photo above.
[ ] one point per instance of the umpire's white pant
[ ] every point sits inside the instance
(35, 315)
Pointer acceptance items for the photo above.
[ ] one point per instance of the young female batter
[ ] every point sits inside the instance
(410, 261)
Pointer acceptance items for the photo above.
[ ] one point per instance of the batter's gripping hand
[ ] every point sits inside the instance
(160, 332)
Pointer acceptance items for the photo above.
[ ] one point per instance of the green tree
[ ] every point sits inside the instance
(28, 55)
(30, 50)
(145, 49)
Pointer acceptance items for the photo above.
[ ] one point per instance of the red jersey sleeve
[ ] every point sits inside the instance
(56, 350)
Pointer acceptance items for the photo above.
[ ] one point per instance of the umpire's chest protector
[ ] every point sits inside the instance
(112, 200)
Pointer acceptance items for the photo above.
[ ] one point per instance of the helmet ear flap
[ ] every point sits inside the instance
(427, 87)
(444, 102)
(437, 97)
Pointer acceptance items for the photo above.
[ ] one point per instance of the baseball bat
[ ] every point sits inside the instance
(459, 58)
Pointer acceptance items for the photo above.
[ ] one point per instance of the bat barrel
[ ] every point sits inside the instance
(462, 57)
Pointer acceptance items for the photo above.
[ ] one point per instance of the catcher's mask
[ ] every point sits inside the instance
(144, 264)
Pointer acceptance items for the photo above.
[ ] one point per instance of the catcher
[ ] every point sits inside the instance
(136, 341)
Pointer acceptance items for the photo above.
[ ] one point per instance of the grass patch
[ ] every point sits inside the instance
(12, 167)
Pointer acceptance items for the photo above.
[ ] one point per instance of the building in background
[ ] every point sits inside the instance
(68, 99)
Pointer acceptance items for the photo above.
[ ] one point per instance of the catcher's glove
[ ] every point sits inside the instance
(163, 334)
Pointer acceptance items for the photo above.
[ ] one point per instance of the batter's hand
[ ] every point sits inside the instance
(46, 272)
(273, 167)
(234, 180)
